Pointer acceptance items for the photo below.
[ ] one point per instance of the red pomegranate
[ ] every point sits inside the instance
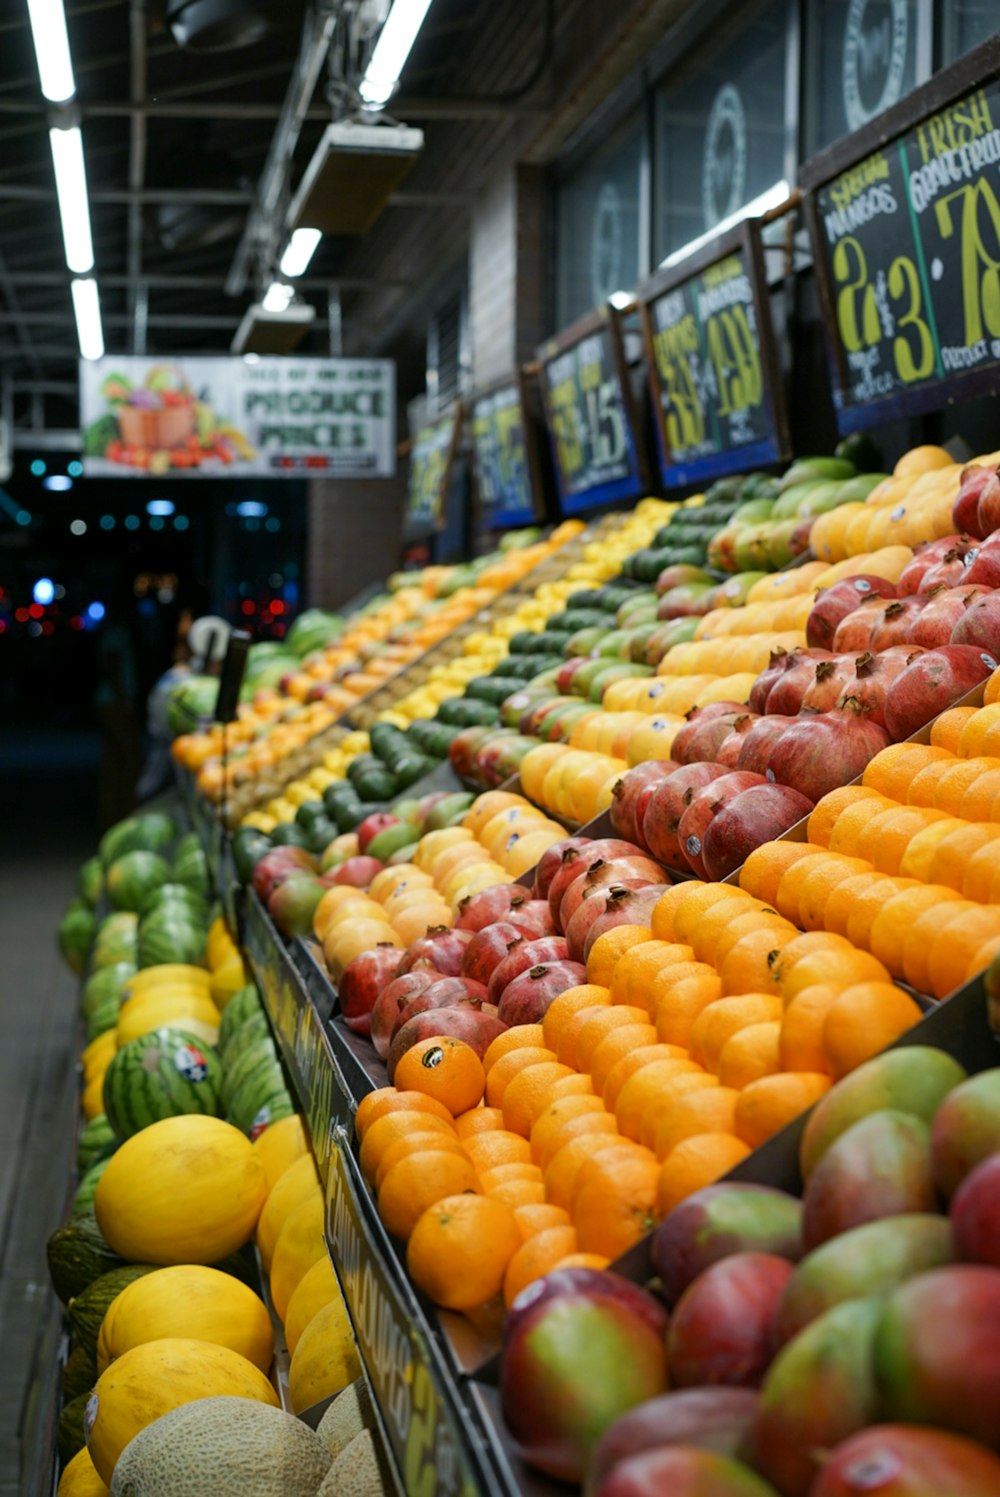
(632, 794)
(756, 747)
(728, 752)
(446, 992)
(661, 823)
(361, 982)
(852, 635)
(753, 817)
(578, 859)
(780, 661)
(941, 612)
(526, 999)
(948, 571)
(980, 624)
(934, 682)
(896, 623)
(548, 864)
(829, 681)
(965, 511)
(616, 870)
(477, 911)
(873, 675)
(488, 948)
(533, 919)
(526, 954)
(982, 564)
(836, 602)
(442, 947)
(924, 558)
(592, 908)
(700, 739)
(820, 753)
(706, 805)
(785, 696)
(390, 1004)
(633, 907)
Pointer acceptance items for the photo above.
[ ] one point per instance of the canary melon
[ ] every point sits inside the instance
(280, 1145)
(317, 1288)
(79, 1478)
(140, 1015)
(154, 1378)
(299, 1181)
(325, 1359)
(187, 1300)
(300, 1244)
(169, 975)
(187, 1189)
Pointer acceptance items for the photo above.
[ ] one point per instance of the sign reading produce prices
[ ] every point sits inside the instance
(905, 224)
(238, 417)
(712, 367)
(504, 462)
(423, 1427)
(432, 460)
(590, 415)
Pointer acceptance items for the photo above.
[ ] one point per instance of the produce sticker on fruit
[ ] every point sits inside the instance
(236, 417)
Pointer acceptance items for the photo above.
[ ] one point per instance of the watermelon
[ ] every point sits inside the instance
(252, 1116)
(77, 930)
(170, 939)
(261, 1053)
(176, 899)
(312, 630)
(90, 881)
(94, 1141)
(251, 1030)
(160, 1075)
(105, 983)
(87, 1310)
(133, 877)
(77, 1255)
(116, 939)
(149, 832)
(190, 701)
(79, 1373)
(102, 1017)
(249, 845)
(83, 1200)
(69, 1431)
(191, 869)
(242, 1005)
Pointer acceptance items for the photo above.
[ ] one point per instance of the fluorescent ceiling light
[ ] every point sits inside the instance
(391, 50)
(277, 297)
(55, 65)
(300, 250)
(74, 207)
(620, 300)
(758, 205)
(87, 309)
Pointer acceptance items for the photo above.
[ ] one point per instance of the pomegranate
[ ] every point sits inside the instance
(853, 634)
(873, 676)
(548, 864)
(705, 805)
(941, 612)
(781, 661)
(949, 570)
(980, 624)
(728, 753)
(965, 511)
(463, 1022)
(820, 753)
(836, 602)
(635, 787)
(933, 683)
(390, 1004)
(896, 623)
(578, 859)
(442, 947)
(829, 681)
(488, 948)
(477, 911)
(660, 825)
(524, 955)
(988, 508)
(277, 865)
(785, 696)
(700, 739)
(377, 822)
(982, 564)
(589, 909)
(614, 871)
(358, 872)
(632, 907)
(751, 818)
(925, 557)
(446, 992)
(526, 999)
(361, 982)
(756, 747)
(533, 919)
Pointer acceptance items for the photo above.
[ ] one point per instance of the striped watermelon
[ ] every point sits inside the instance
(240, 1006)
(261, 1055)
(161, 1075)
(249, 1032)
(255, 1107)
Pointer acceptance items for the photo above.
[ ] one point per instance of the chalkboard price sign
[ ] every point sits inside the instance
(505, 467)
(904, 218)
(432, 459)
(710, 352)
(589, 412)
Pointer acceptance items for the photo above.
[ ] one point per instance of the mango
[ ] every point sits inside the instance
(975, 1214)
(880, 1167)
(937, 1351)
(897, 1460)
(721, 1220)
(820, 1388)
(683, 1472)
(868, 1260)
(721, 1329)
(711, 1418)
(966, 1129)
(914, 1078)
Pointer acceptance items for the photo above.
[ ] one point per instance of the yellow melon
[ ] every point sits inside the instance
(300, 1243)
(227, 980)
(165, 1005)
(98, 1053)
(184, 1190)
(79, 1479)
(299, 1181)
(187, 1300)
(325, 1359)
(319, 1287)
(156, 1377)
(280, 1145)
(167, 975)
(92, 1100)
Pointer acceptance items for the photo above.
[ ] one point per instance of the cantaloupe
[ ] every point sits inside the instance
(325, 1360)
(300, 1244)
(299, 1181)
(249, 1449)
(141, 1014)
(350, 1413)
(187, 1300)
(316, 1289)
(79, 1479)
(187, 1189)
(356, 1472)
(280, 1145)
(154, 1378)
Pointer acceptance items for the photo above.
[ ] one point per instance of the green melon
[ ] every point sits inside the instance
(90, 881)
(133, 877)
(171, 939)
(94, 1141)
(116, 939)
(251, 1030)
(87, 1310)
(241, 1006)
(149, 832)
(69, 1431)
(190, 701)
(176, 898)
(79, 1373)
(77, 1255)
(102, 1017)
(251, 1115)
(104, 984)
(262, 1054)
(83, 1199)
(161, 1074)
(191, 869)
(76, 934)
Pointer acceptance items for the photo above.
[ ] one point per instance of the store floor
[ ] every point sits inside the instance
(48, 827)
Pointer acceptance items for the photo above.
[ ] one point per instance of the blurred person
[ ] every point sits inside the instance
(200, 651)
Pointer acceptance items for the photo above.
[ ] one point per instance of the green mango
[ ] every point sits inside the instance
(805, 468)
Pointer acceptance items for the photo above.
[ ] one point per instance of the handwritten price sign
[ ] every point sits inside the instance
(431, 461)
(504, 466)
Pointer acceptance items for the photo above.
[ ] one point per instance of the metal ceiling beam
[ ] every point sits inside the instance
(22, 192)
(137, 297)
(157, 109)
(24, 279)
(25, 345)
(193, 320)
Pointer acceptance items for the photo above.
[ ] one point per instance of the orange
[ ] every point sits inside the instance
(982, 958)
(478, 1120)
(789, 896)
(548, 1129)
(385, 1130)
(662, 918)
(841, 965)
(515, 1038)
(743, 925)
(824, 816)
(501, 1173)
(851, 832)
(444, 1068)
(750, 1053)
(532, 1219)
(414, 1143)
(953, 949)
(865, 1019)
(536, 1256)
(977, 802)
(419, 1181)
(867, 905)
(947, 729)
(841, 901)
(923, 787)
(528, 1095)
(609, 947)
(594, 1029)
(562, 1169)
(499, 1147)
(678, 1004)
(635, 970)
(959, 777)
(819, 883)
(767, 1105)
(991, 692)
(695, 1163)
(975, 729)
(980, 875)
(726, 1017)
(924, 931)
(616, 1046)
(562, 1009)
(503, 1071)
(633, 1061)
(890, 832)
(765, 867)
(571, 1086)
(519, 1192)
(387, 1099)
(459, 1250)
(890, 930)
(696, 901)
(800, 1042)
(709, 1109)
(553, 1138)
(718, 919)
(566, 1048)
(952, 856)
(582, 1260)
(643, 1091)
(749, 965)
(891, 771)
(677, 1085)
(614, 1200)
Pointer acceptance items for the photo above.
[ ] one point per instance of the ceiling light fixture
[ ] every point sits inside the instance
(49, 34)
(74, 206)
(278, 297)
(391, 51)
(299, 251)
(87, 310)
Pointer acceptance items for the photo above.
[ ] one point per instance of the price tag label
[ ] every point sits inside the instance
(431, 461)
(590, 415)
(423, 1424)
(713, 371)
(907, 244)
(504, 464)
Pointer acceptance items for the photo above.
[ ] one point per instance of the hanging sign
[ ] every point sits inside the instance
(236, 417)
(505, 461)
(713, 371)
(432, 460)
(590, 415)
(904, 219)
